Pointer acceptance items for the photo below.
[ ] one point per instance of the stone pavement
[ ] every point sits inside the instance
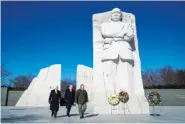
(170, 114)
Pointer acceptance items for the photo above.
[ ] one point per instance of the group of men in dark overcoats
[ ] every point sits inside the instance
(81, 97)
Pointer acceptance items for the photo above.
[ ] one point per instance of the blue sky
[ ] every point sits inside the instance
(38, 34)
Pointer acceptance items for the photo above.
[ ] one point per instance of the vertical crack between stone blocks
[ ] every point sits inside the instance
(46, 74)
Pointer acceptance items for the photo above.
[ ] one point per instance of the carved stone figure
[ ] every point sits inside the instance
(117, 53)
(116, 62)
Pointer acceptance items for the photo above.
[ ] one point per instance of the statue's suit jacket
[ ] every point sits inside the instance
(119, 46)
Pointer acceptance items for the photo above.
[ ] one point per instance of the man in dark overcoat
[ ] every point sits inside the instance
(54, 100)
(69, 99)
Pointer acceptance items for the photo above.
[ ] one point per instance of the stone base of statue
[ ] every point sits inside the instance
(135, 105)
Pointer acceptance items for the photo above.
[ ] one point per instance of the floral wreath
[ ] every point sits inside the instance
(123, 96)
(113, 99)
(154, 98)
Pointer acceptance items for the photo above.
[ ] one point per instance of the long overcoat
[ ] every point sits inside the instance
(54, 99)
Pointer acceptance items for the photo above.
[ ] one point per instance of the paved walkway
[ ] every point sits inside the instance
(170, 114)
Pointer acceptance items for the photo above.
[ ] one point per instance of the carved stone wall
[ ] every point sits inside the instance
(38, 92)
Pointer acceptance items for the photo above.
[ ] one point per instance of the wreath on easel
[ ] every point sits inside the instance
(113, 99)
(123, 96)
(154, 98)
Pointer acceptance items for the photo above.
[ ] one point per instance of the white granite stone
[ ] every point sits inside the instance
(38, 91)
(37, 87)
(116, 62)
(23, 100)
(85, 76)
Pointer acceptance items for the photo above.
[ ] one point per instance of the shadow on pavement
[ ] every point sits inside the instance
(60, 116)
(92, 115)
(18, 109)
(15, 119)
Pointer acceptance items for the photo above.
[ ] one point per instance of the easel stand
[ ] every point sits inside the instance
(154, 112)
(114, 109)
(125, 107)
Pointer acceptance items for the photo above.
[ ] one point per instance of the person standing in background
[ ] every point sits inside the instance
(81, 99)
(54, 100)
(69, 98)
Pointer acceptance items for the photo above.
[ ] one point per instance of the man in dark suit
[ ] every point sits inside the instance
(54, 99)
(69, 98)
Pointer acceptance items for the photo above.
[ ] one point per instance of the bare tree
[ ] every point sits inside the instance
(168, 75)
(165, 77)
(22, 81)
(151, 77)
(5, 76)
(65, 83)
(181, 77)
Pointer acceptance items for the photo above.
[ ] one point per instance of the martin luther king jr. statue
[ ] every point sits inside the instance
(116, 62)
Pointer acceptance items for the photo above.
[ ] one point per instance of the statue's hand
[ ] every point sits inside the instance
(129, 33)
(129, 37)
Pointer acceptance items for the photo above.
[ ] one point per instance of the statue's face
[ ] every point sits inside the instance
(116, 16)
